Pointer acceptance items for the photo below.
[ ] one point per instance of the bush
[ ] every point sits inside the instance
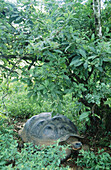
(20, 106)
(89, 160)
(33, 158)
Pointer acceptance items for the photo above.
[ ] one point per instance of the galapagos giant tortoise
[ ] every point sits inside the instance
(43, 129)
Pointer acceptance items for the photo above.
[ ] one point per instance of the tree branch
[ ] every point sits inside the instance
(82, 100)
(27, 57)
(35, 59)
(7, 68)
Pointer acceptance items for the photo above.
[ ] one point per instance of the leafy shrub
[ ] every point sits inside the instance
(90, 160)
(30, 157)
(71, 108)
(33, 158)
(19, 105)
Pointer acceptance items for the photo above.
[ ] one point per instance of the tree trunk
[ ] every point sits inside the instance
(101, 120)
(97, 15)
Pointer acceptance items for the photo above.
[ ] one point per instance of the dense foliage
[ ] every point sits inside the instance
(53, 48)
(91, 161)
(29, 157)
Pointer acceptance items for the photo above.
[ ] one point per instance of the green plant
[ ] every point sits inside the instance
(35, 157)
(92, 161)
(19, 105)
(53, 49)
(30, 157)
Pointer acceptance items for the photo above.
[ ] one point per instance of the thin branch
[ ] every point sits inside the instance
(93, 108)
(4, 95)
(35, 59)
(27, 57)
(85, 102)
(14, 66)
(6, 68)
(7, 78)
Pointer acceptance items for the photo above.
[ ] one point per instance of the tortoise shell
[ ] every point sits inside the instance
(43, 129)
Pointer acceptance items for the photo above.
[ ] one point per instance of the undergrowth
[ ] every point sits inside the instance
(92, 161)
(19, 105)
(30, 157)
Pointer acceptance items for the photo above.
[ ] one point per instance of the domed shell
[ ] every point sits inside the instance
(45, 129)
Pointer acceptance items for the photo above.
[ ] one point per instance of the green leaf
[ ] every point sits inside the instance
(18, 20)
(92, 49)
(92, 37)
(106, 59)
(58, 51)
(84, 115)
(30, 94)
(66, 77)
(14, 74)
(1, 80)
(100, 69)
(67, 48)
(59, 108)
(14, 80)
(86, 65)
(41, 87)
(76, 63)
(107, 29)
(93, 57)
(82, 52)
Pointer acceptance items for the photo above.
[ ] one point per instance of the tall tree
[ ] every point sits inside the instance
(60, 56)
(97, 15)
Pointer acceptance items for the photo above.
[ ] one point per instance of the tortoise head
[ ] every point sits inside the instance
(73, 141)
(76, 145)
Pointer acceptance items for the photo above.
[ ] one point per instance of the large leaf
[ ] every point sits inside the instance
(82, 52)
(92, 57)
(76, 61)
(84, 115)
(107, 60)
(86, 65)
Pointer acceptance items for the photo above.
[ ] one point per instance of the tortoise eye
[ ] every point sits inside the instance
(78, 144)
